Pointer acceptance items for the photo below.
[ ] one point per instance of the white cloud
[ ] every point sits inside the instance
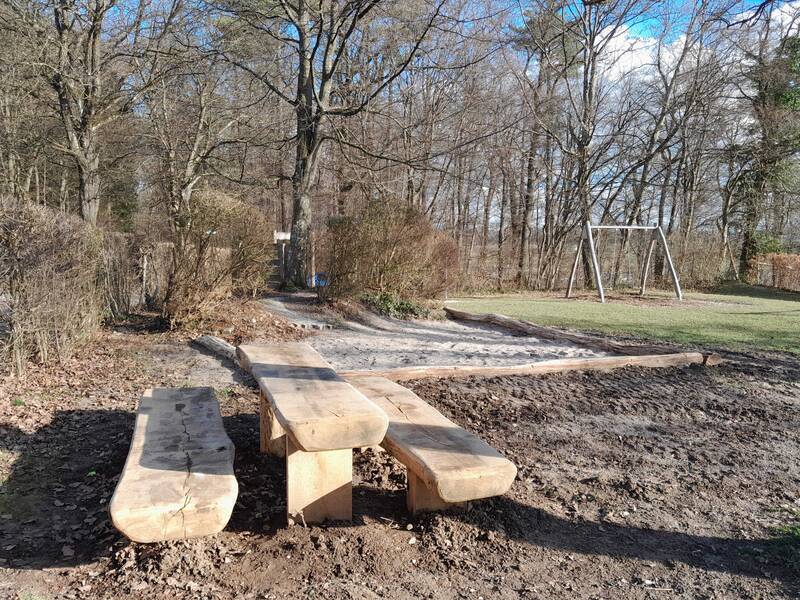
(625, 54)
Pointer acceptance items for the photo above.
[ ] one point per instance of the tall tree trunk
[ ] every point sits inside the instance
(749, 225)
(500, 232)
(548, 230)
(300, 249)
(89, 185)
(527, 206)
(586, 254)
(514, 201)
(487, 208)
(305, 164)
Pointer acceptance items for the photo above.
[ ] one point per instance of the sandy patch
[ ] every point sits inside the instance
(386, 344)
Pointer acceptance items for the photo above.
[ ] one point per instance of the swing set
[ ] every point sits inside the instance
(656, 235)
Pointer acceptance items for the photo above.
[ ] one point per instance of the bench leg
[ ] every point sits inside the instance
(420, 498)
(272, 434)
(319, 485)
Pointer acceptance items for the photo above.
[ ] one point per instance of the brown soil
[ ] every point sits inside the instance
(632, 484)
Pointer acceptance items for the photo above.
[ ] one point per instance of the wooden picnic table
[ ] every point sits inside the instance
(314, 418)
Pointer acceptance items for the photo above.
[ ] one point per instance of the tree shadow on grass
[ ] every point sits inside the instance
(54, 504)
(759, 292)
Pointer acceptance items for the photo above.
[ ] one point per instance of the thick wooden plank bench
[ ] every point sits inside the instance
(314, 418)
(447, 465)
(178, 479)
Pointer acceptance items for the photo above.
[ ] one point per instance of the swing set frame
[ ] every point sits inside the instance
(657, 235)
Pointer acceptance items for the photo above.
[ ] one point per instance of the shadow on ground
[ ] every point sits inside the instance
(54, 504)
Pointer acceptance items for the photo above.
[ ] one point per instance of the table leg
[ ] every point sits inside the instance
(272, 434)
(319, 485)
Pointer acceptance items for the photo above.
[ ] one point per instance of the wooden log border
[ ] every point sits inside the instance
(560, 365)
(218, 346)
(631, 356)
(552, 333)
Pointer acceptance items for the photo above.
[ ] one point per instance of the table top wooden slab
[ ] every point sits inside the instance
(316, 407)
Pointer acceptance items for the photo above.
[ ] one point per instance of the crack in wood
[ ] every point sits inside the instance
(189, 463)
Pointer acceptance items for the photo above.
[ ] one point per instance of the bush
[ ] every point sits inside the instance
(768, 244)
(778, 270)
(49, 267)
(122, 277)
(225, 248)
(390, 249)
(394, 306)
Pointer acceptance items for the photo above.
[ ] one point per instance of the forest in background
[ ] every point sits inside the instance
(409, 147)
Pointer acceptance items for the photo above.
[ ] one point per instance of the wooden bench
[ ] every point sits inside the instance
(178, 479)
(314, 418)
(447, 465)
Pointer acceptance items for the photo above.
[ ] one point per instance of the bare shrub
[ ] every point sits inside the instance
(778, 270)
(390, 248)
(224, 247)
(249, 237)
(785, 271)
(49, 266)
(698, 260)
(122, 274)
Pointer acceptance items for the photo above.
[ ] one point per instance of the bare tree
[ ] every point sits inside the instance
(339, 50)
(83, 49)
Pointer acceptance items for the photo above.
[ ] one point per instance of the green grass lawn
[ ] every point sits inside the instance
(735, 317)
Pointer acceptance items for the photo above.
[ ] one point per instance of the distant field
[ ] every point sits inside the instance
(737, 317)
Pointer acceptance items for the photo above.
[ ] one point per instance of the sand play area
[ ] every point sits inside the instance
(384, 343)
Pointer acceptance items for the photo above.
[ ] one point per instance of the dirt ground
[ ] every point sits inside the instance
(632, 484)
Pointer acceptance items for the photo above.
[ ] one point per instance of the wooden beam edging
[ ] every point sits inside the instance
(560, 365)
(218, 346)
(551, 333)
(676, 359)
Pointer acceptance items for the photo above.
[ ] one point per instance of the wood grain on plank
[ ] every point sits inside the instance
(178, 479)
(316, 407)
(272, 437)
(319, 485)
(452, 462)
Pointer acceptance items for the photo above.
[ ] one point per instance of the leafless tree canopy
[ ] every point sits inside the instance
(504, 125)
